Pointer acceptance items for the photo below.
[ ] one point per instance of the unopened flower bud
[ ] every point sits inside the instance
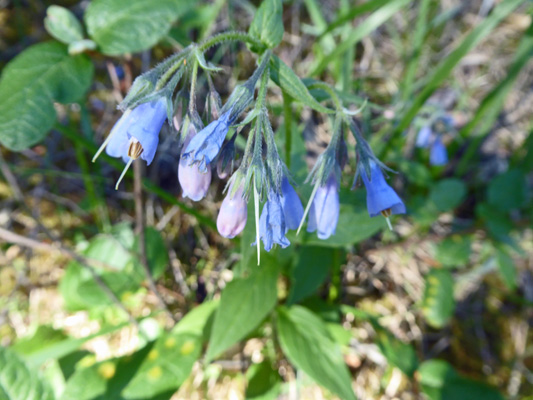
(233, 214)
(194, 182)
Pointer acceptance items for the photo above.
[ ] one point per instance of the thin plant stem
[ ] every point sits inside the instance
(287, 112)
(140, 227)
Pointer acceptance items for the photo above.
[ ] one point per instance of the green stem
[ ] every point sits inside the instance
(176, 61)
(287, 112)
(261, 95)
(194, 78)
(336, 282)
(329, 90)
(229, 36)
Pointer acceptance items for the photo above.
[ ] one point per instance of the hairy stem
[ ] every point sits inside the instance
(228, 36)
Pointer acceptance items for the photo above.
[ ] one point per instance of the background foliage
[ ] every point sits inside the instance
(441, 308)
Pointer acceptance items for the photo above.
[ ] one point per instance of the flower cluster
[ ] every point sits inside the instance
(261, 173)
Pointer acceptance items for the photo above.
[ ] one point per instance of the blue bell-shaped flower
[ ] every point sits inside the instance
(324, 211)
(204, 147)
(380, 197)
(293, 209)
(438, 155)
(272, 227)
(136, 133)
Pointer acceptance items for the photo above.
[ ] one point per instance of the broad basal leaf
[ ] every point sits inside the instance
(438, 304)
(440, 381)
(166, 366)
(305, 341)
(18, 382)
(30, 83)
(244, 303)
(127, 26)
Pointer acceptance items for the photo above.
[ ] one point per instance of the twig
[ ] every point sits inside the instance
(139, 222)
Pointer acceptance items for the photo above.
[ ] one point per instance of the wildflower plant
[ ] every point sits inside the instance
(213, 150)
(262, 173)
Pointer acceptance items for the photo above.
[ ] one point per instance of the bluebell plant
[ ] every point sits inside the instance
(430, 135)
(261, 173)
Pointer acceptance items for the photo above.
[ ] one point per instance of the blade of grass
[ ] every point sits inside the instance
(492, 104)
(444, 69)
(353, 13)
(373, 22)
(416, 42)
(326, 41)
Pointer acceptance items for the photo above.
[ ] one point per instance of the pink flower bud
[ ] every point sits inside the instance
(194, 183)
(233, 214)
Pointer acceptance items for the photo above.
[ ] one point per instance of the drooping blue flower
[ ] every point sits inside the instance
(380, 197)
(423, 137)
(324, 211)
(438, 155)
(272, 227)
(204, 147)
(136, 133)
(293, 209)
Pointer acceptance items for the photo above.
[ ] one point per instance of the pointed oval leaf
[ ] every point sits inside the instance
(305, 340)
(127, 26)
(63, 25)
(288, 81)
(438, 304)
(244, 303)
(30, 83)
(18, 382)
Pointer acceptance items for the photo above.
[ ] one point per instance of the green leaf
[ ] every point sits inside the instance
(498, 222)
(448, 63)
(106, 379)
(128, 26)
(289, 82)
(47, 343)
(454, 251)
(448, 194)
(508, 191)
(42, 337)
(18, 382)
(507, 268)
(63, 25)
(264, 382)
(438, 304)
(166, 366)
(490, 107)
(362, 30)
(198, 320)
(244, 303)
(440, 382)
(30, 83)
(307, 344)
(353, 13)
(267, 25)
(397, 353)
(311, 268)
